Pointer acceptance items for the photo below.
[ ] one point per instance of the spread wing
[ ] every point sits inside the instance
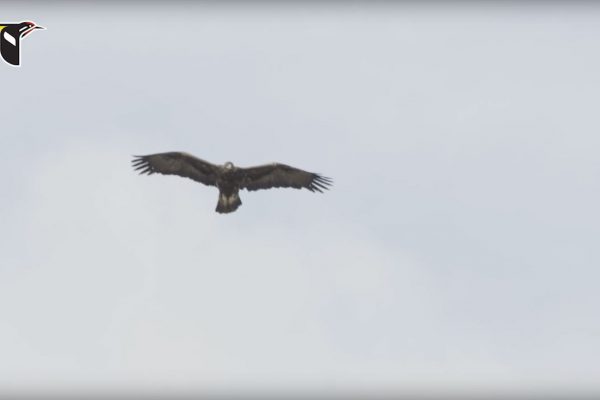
(280, 175)
(177, 163)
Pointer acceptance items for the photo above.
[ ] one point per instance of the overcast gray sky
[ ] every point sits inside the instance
(457, 250)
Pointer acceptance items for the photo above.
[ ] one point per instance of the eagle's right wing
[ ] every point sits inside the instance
(276, 175)
(177, 163)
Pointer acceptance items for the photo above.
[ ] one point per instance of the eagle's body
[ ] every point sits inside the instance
(228, 178)
(227, 182)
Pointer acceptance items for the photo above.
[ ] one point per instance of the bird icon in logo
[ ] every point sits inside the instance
(10, 40)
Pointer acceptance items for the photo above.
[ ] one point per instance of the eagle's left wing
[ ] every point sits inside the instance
(277, 175)
(177, 163)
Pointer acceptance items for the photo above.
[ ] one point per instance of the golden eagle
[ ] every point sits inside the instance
(228, 178)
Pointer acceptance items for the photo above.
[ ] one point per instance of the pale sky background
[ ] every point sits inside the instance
(458, 250)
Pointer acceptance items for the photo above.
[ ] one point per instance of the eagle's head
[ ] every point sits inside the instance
(228, 166)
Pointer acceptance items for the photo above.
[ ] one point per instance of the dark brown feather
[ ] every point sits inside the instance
(177, 163)
(277, 175)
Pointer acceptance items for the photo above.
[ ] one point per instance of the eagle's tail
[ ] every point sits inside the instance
(228, 203)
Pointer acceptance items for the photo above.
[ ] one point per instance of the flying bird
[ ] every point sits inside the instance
(228, 178)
